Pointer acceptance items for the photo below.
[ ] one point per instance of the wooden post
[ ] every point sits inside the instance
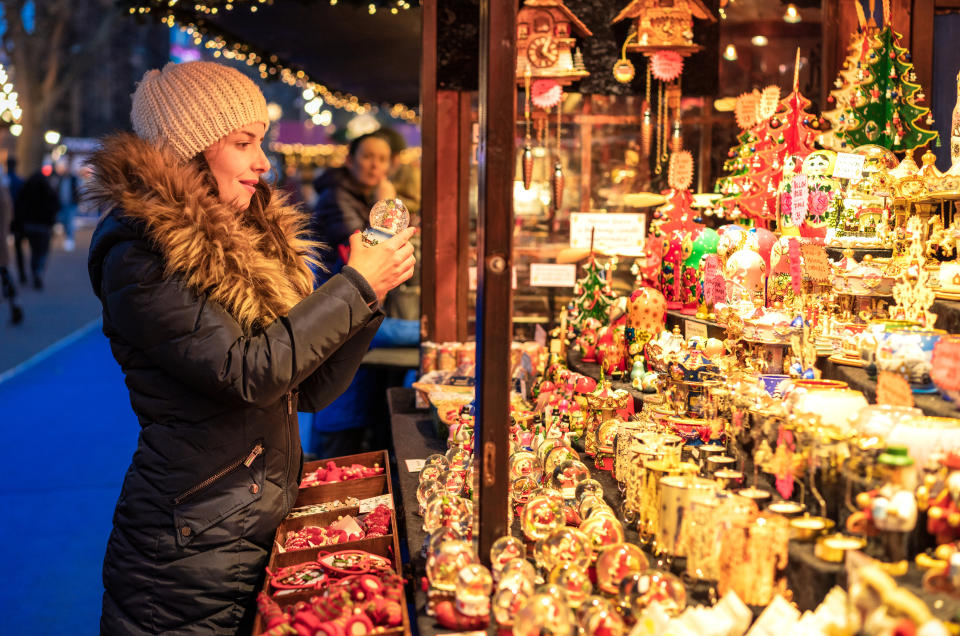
(498, 30)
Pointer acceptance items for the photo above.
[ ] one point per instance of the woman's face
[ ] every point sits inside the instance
(369, 164)
(237, 162)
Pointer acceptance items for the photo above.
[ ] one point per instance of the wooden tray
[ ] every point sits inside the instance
(359, 488)
(387, 545)
(844, 360)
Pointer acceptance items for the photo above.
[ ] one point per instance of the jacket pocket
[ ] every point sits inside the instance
(231, 488)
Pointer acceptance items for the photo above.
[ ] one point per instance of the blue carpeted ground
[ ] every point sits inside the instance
(68, 436)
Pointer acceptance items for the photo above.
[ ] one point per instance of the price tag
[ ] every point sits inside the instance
(946, 365)
(693, 329)
(367, 505)
(553, 275)
(799, 193)
(816, 267)
(848, 166)
(714, 285)
(610, 231)
(415, 465)
(893, 389)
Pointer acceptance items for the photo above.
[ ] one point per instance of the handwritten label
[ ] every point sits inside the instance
(610, 231)
(693, 329)
(367, 505)
(796, 271)
(893, 389)
(799, 192)
(714, 285)
(415, 465)
(848, 166)
(553, 275)
(816, 267)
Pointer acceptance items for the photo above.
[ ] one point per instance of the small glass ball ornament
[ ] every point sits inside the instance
(603, 530)
(473, 588)
(573, 580)
(594, 600)
(567, 475)
(387, 217)
(541, 515)
(525, 463)
(425, 490)
(503, 550)
(616, 562)
(452, 481)
(603, 620)
(563, 545)
(437, 460)
(507, 603)
(518, 573)
(544, 615)
(448, 560)
(588, 487)
(521, 489)
(544, 449)
(590, 505)
(458, 457)
(638, 591)
(444, 509)
(431, 472)
(556, 457)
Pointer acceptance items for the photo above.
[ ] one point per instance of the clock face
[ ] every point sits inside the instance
(542, 52)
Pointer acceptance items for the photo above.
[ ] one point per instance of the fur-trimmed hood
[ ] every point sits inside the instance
(256, 265)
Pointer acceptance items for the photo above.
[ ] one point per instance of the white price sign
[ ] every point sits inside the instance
(415, 465)
(367, 505)
(610, 231)
(848, 166)
(553, 275)
(693, 329)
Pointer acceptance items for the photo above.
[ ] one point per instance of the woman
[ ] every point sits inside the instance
(205, 280)
(345, 196)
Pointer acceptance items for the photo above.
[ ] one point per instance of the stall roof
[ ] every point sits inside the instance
(375, 57)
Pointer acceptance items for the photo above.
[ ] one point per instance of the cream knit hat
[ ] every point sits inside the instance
(191, 105)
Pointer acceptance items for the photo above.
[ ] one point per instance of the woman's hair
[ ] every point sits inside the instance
(355, 143)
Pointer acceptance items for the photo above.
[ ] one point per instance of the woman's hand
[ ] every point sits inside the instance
(385, 265)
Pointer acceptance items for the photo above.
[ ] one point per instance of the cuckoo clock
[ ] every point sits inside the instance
(660, 25)
(546, 37)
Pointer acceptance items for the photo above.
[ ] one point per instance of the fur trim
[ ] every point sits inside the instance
(257, 266)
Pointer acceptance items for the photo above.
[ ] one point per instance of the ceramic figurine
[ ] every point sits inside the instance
(943, 514)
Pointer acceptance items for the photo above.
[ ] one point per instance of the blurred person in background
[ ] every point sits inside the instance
(14, 184)
(66, 185)
(8, 291)
(35, 212)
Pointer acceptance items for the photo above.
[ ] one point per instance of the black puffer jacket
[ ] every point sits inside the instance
(218, 357)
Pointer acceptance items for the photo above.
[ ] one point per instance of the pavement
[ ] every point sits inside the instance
(64, 306)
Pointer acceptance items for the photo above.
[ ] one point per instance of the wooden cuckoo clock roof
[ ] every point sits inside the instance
(579, 27)
(637, 7)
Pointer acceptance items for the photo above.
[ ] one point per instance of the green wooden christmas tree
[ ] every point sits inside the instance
(593, 295)
(886, 112)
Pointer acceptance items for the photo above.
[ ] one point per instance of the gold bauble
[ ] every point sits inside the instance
(863, 500)
(935, 512)
(954, 519)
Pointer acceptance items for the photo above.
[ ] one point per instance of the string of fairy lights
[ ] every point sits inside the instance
(173, 14)
(213, 7)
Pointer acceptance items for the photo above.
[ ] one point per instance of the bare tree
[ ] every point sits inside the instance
(48, 61)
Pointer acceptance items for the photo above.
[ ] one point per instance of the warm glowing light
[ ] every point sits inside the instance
(791, 15)
(16, 129)
(52, 137)
(730, 53)
(759, 40)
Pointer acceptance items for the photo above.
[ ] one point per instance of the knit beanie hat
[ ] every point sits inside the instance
(189, 106)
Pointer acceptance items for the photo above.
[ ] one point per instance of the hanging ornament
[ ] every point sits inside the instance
(680, 170)
(546, 93)
(623, 71)
(646, 129)
(556, 184)
(527, 156)
(676, 141)
(527, 166)
(666, 65)
(747, 109)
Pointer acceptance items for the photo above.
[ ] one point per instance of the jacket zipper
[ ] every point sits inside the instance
(286, 434)
(220, 474)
